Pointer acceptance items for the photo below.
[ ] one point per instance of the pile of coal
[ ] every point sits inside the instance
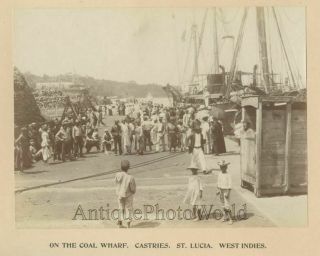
(26, 110)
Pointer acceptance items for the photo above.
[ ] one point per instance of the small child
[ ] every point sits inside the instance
(194, 193)
(126, 188)
(224, 189)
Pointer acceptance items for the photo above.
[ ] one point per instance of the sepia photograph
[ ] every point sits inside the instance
(160, 118)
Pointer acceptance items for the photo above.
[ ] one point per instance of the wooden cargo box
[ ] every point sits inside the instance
(274, 152)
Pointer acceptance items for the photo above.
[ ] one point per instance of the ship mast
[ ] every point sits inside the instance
(197, 45)
(233, 65)
(215, 45)
(195, 39)
(263, 47)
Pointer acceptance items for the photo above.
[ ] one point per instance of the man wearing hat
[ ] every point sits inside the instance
(22, 156)
(172, 134)
(196, 148)
(160, 129)
(63, 139)
(116, 134)
(224, 185)
(77, 139)
(147, 126)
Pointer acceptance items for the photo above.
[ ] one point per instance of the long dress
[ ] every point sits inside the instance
(125, 137)
(217, 137)
(46, 153)
(248, 146)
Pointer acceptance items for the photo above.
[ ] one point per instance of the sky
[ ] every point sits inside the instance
(146, 45)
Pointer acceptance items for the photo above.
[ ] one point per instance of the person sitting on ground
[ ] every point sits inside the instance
(107, 142)
(35, 154)
(93, 140)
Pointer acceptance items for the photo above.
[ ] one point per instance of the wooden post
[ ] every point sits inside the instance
(287, 149)
(258, 147)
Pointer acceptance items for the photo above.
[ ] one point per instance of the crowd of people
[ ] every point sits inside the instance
(58, 140)
(144, 128)
(160, 129)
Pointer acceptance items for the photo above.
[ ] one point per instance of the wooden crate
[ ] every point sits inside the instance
(275, 162)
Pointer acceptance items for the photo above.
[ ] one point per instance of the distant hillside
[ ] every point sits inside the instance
(100, 87)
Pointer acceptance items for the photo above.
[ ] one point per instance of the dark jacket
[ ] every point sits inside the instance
(191, 141)
(116, 131)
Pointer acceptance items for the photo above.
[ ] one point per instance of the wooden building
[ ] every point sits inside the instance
(274, 159)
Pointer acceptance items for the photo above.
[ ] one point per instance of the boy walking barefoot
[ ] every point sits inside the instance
(126, 188)
(224, 189)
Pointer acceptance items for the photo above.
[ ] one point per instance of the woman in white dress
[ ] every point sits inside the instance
(45, 143)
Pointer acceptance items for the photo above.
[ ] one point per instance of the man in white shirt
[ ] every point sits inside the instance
(160, 135)
(196, 147)
(125, 189)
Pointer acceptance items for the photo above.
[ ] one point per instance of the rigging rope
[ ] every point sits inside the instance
(176, 49)
(283, 46)
(269, 42)
(187, 59)
(200, 42)
(223, 19)
(292, 56)
(236, 53)
(294, 22)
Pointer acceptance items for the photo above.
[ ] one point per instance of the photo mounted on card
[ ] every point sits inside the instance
(148, 118)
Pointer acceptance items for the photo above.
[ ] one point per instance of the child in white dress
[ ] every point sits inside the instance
(194, 192)
(224, 189)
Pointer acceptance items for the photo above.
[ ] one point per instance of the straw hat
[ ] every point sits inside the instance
(223, 163)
